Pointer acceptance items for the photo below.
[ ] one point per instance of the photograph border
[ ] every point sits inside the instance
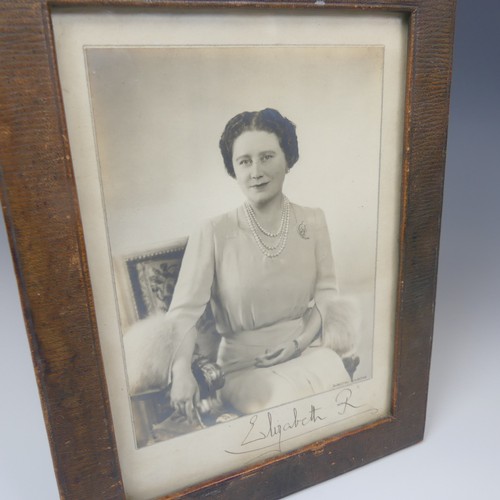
(46, 236)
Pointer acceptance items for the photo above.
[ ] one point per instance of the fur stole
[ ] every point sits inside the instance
(341, 324)
(150, 345)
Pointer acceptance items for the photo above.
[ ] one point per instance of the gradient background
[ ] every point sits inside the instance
(459, 456)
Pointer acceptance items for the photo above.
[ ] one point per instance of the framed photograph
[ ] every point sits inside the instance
(225, 220)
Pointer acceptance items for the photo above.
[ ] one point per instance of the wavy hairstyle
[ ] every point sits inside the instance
(268, 120)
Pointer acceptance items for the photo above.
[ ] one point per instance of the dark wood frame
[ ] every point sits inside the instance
(42, 213)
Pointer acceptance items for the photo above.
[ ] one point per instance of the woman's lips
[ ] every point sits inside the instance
(258, 186)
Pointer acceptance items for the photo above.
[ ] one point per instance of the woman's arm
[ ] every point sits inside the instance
(184, 393)
(192, 293)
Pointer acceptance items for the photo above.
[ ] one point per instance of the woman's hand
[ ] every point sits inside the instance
(279, 354)
(185, 395)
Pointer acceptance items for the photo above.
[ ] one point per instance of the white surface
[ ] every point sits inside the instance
(458, 458)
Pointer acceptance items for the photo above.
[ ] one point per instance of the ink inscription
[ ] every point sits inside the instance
(266, 432)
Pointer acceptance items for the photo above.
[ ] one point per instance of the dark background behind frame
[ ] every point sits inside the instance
(458, 458)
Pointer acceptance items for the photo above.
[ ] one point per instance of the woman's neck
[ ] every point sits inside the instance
(269, 214)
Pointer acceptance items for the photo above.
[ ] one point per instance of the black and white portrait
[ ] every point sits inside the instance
(240, 223)
(255, 295)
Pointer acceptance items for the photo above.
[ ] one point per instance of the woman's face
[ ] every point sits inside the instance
(260, 166)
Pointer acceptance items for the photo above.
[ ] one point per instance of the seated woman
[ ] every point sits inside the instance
(267, 270)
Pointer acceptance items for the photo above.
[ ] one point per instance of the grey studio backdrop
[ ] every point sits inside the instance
(458, 458)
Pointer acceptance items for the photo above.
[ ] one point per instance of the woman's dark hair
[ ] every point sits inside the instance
(268, 120)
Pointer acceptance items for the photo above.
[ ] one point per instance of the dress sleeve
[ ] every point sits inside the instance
(193, 289)
(337, 314)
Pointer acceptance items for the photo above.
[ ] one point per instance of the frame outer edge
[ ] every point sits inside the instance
(421, 208)
(45, 234)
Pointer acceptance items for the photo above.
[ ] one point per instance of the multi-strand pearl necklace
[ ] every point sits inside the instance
(270, 251)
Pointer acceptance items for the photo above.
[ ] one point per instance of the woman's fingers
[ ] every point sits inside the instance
(187, 407)
(269, 355)
(272, 358)
(269, 362)
(185, 396)
(194, 405)
(184, 407)
(189, 411)
(178, 406)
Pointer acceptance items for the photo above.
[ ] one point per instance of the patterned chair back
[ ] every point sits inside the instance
(152, 277)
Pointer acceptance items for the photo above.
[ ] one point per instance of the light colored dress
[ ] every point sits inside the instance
(259, 302)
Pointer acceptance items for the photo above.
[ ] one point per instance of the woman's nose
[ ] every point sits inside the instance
(255, 171)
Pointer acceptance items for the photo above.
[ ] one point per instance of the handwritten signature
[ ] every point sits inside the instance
(266, 433)
(343, 399)
(277, 430)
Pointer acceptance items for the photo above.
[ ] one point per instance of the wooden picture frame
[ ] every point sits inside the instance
(47, 237)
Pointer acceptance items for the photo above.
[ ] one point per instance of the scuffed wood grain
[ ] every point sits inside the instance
(41, 210)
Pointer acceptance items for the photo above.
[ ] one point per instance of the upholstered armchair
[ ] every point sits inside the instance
(148, 280)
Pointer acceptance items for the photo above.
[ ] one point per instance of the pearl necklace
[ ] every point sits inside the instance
(251, 212)
(270, 251)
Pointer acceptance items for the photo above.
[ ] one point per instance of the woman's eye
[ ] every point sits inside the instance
(267, 157)
(245, 162)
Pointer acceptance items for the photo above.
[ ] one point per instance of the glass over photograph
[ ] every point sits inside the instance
(240, 207)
